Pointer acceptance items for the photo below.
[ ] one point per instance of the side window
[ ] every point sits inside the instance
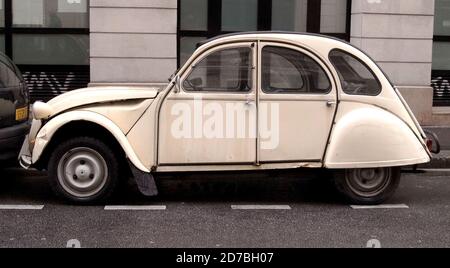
(356, 78)
(289, 71)
(228, 70)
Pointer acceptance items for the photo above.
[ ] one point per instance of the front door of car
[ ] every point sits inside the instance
(212, 119)
(297, 104)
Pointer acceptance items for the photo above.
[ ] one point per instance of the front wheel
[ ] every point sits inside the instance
(83, 170)
(368, 186)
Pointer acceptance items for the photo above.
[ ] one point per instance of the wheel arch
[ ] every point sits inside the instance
(372, 137)
(82, 123)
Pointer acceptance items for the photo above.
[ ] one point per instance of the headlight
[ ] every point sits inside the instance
(41, 110)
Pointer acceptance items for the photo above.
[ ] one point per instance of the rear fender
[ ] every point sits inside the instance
(366, 136)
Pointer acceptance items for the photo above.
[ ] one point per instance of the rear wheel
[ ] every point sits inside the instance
(368, 186)
(83, 170)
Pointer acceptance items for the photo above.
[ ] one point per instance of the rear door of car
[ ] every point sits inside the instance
(297, 102)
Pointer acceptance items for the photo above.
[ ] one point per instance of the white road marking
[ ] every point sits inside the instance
(135, 208)
(399, 206)
(21, 207)
(260, 207)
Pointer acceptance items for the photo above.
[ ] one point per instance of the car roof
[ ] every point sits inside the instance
(285, 34)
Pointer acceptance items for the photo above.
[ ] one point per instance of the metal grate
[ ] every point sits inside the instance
(441, 84)
(46, 83)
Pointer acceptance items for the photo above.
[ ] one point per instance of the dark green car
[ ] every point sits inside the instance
(14, 111)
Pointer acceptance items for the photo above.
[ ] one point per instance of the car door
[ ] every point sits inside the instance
(212, 119)
(297, 104)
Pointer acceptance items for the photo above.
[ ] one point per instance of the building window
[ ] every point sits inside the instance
(290, 15)
(441, 54)
(2, 26)
(203, 19)
(49, 41)
(50, 13)
(238, 15)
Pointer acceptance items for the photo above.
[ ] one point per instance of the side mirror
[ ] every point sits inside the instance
(177, 84)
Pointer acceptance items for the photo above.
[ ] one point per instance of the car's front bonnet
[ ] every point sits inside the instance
(87, 96)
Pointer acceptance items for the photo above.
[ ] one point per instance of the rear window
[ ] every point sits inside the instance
(356, 77)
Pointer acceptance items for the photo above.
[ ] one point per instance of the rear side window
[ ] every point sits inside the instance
(356, 77)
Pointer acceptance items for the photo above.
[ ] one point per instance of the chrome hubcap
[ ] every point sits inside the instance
(368, 182)
(82, 172)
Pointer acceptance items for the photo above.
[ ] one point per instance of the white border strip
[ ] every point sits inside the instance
(399, 206)
(135, 208)
(260, 207)
(21, 207)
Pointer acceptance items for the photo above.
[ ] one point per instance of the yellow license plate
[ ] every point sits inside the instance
(21, 114)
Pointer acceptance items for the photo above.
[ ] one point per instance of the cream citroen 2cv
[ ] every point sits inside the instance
(249, 101)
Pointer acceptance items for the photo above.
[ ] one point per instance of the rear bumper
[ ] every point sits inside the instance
(11, 140)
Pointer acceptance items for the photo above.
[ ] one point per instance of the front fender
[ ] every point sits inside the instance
(46, 133)
(371, 137)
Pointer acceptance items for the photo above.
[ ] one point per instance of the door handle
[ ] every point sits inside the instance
(249, 101)
(331, 103)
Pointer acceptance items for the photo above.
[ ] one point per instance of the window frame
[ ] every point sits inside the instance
(305, 83)
(435, 73)
(364, 64)
(264, 21)
(250, 45)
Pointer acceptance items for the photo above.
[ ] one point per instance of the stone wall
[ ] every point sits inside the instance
(398, 34)
(133, 41)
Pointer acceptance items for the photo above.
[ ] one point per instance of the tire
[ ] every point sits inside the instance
(367, 186)
(83, 170)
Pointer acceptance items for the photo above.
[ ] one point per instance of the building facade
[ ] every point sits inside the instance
(64, 44)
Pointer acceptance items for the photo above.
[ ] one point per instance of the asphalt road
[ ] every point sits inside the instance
(198, 213)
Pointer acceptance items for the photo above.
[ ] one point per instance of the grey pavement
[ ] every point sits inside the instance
(198, 213)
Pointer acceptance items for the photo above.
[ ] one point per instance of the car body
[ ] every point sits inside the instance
(249, 101)
(14, 106)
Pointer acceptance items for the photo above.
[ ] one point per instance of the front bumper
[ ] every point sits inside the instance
(11, 140)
